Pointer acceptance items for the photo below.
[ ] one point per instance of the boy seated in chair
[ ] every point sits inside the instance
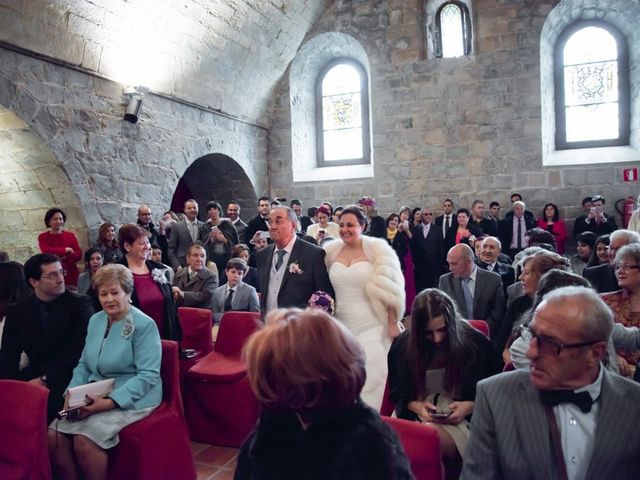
(235, 294)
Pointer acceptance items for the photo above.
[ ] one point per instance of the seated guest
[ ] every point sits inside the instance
(13, 288)
(462, 232)
(194, 286)
(123, 344)
(584, 243)
(600, 253)
(49, 326)
(307, 371)
(218, 241)
(603, 277)
(434, 367)
(93, 260)
(490, 250)
(536, 237)
(235, 294)
(156, 256)
(515, 413)
(108, 243)
(57, 241)
(395, 238)
(324, 227)
(151, 288)
(251, 276)
(550, 220)
(515, 290)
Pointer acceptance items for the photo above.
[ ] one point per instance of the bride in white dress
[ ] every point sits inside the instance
(369, 285)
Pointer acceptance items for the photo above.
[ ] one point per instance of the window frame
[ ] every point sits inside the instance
(364, 103)
(465, 18)
(624, 110)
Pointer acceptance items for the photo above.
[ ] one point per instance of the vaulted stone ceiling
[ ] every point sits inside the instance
(223, 54)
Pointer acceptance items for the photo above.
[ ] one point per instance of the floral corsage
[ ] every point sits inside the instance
(295, 268)
(159, 276)
(128, 328)
(322, 301)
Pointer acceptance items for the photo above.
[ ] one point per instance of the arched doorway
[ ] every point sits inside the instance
(216, 177)
(31, 181)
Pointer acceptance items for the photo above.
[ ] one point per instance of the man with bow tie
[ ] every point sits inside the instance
(567, 417)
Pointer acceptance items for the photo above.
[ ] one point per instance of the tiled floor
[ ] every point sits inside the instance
(214, 463)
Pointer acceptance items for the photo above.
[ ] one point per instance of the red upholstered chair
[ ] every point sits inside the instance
(196, 329)
(157, 447)
(421, 445)
(24, 453)
(220, 406)
(480, 325)
(509, 367)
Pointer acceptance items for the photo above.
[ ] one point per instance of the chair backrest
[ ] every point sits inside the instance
(235, 329)
(387, 407)
(509, 367)
(196, 329)
(482, 326)
(170, 373)
(421, 445)
(23, 431)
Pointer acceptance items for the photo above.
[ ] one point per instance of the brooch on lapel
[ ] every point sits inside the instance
(295, 268)
(128, 328)
(159, 276)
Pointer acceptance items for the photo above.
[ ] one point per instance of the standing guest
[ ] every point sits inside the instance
(260, 223)
(329, 207)
(93, 260)
(434, 367)
(151, 287)
(600, 253)
(462, 231)
(214, 214)
(369, 285)
(234, 295)
(64, 244)
(183, 234)
(407, 261)
(49, 326)
(447, 220)
(513, 228)
(290, 269)
(233, 214)
(194, 286)
(525, 423)
(395, 238)
(494, 212)
(108, 243)
(427, 249)
(13, 288)
(309, 219)
(603, 277)
(486, 225)
(580, 225)
(296, 206)
(259, 241)
(168, 220)
(122, 344)
(324, 227)
(585, 243)
(218, 242)
(634, 221)
(375, 223)
(596, 220)
(144, 220)
(307, 372)
(336, 213)
(416, 217)
(550, 220)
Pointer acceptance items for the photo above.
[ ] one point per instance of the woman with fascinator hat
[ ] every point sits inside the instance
(375, 223)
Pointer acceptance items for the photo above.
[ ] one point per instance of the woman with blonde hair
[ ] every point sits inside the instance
(307, 372)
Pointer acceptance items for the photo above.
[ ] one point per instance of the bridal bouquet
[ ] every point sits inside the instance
(322, 301)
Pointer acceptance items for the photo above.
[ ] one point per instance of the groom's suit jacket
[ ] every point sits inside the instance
(510, 434)
(296, 288)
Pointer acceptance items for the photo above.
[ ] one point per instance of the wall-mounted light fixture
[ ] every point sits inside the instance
(135, 96)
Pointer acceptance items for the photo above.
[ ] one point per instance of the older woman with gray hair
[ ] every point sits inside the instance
(122, 343)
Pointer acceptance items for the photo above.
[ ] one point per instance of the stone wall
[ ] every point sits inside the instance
(463, 128)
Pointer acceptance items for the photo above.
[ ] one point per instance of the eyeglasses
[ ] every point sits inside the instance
(547, 345)
(54, 275)
(625, 267)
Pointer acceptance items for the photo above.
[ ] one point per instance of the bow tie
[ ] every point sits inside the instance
(555, 397)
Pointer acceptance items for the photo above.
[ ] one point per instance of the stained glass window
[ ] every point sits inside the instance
(453, 30)
(591, 89)
(343, 116)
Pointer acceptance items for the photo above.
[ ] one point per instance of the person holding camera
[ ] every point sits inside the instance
(324, 228)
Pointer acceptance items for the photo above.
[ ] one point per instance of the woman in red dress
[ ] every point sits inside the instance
(551, 222)
(57, 241)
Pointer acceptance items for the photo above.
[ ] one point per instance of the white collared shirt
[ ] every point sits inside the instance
(577, 430)
(425, 229)
(514, 234)
(491, 266)
(472, 281)
(276, 276)
(193, 228)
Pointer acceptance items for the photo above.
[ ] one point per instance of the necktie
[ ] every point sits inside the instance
(555, 397)
(194, 231)
(448, 222)
(425, 231)
(468, 297)
(519, 244)
(227, 303)
(192, 275)
(280, 259)
(490, 267)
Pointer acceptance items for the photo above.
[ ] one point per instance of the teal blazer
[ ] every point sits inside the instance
(131, 354)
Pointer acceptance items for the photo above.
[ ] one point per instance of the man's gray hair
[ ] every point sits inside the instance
(596, 317)
(628, 236)
(496, 239)
(290, 213)
(519, 203)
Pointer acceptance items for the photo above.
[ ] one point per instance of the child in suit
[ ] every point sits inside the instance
(235, 294)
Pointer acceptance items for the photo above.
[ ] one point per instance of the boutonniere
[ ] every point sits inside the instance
(295, 268)
(128, 328)
(159, 276)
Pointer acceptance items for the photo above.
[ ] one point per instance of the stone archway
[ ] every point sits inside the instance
(31, 181)
(216, 177)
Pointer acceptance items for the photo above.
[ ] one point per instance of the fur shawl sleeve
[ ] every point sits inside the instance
(385, 287)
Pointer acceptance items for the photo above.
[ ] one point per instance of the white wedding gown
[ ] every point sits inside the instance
(353, 308)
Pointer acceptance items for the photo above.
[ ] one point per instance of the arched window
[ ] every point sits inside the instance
(591, 78)
(342, 114)
(453, 30)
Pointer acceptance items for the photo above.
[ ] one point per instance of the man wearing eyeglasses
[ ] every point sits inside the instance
(567, 417)
(427, 250)
(48, 327)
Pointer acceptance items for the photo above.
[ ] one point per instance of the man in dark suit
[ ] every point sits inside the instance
(564, 417)
(183, 234)
(290, 269)
(233, 213)
(490, 251)
(49, 326)
(478, 293)
(194, 286)
(580, 224)
(513, 228)
(595, 220)
(448, 219)
(427, 250)
(260, 223)
(486, 225)
(603, 277)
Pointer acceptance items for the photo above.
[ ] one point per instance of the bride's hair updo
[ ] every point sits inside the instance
(359, 214)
